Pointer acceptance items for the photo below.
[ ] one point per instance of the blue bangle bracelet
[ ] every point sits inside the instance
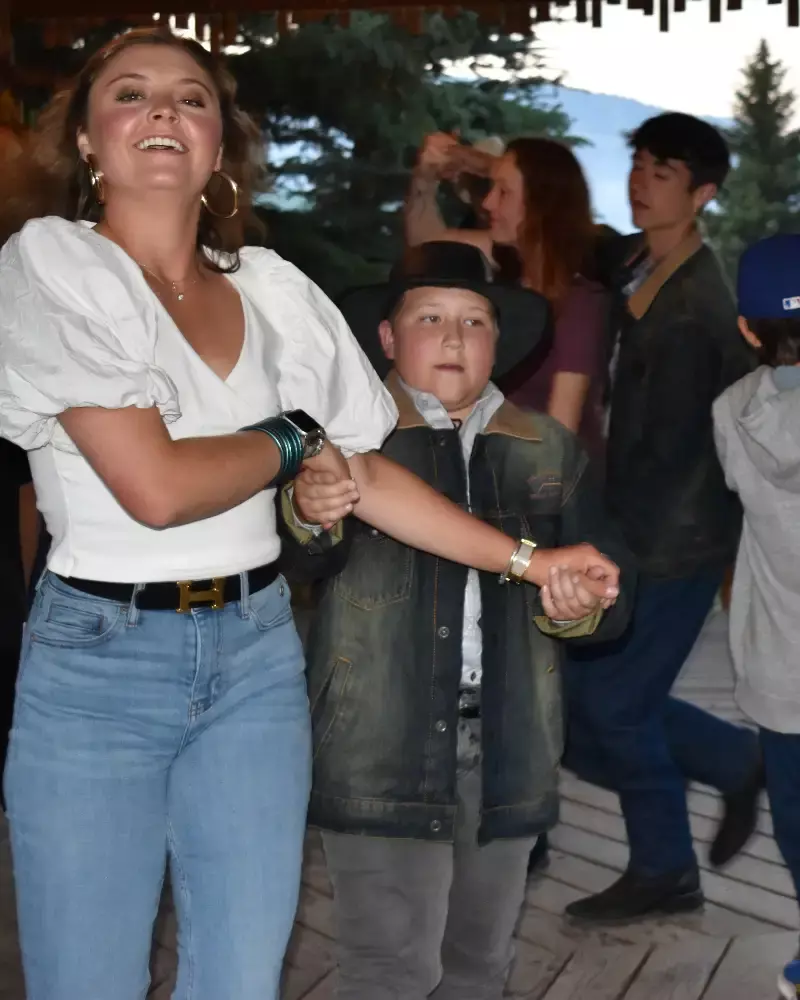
(290, 444)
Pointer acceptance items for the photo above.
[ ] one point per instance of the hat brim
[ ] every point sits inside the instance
(523, 318)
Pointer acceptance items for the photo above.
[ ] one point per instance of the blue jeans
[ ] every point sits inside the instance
(626, 733)
(782, 765)
(142, 734)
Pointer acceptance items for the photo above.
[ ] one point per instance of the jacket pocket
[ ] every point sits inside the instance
(327, 700)
(378, 572)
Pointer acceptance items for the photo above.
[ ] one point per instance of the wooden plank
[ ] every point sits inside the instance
(678, 972)
(770, 907)
(700, 800)
(533, 971)
(704, 827)
(745, 868)
(598, 973)
(750, 969)
(322, 991)
(316, 911)
(309, 958)
(713, 921)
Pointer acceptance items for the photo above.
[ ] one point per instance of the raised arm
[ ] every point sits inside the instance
(423, 220)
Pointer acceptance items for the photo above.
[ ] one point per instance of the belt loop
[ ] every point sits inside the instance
(244, 599)
(133, 607)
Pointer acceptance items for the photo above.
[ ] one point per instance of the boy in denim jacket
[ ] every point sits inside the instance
(435, 689)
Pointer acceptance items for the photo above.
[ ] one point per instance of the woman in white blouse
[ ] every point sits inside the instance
(161, 707)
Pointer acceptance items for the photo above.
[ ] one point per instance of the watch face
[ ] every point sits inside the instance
(302, 420)
(315, 442)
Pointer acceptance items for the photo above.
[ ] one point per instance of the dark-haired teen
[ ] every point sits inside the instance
(757, 424)
(676, 349)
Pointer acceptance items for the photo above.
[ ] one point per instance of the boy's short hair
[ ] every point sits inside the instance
(675, 136)
(768, 292)
(780, 340)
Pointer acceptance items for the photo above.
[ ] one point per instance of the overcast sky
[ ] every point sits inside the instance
(694, 67)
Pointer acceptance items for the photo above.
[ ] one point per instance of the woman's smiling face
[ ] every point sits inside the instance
(153, 122)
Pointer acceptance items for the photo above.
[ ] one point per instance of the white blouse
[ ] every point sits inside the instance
(79, 326)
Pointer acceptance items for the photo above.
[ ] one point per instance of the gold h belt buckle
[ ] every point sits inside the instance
(188, 597)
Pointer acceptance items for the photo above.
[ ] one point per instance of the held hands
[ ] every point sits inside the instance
(575, 580)
(565, 598)
(324, 492)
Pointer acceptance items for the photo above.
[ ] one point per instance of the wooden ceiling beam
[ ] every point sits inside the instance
(123, 8)
(515, 11)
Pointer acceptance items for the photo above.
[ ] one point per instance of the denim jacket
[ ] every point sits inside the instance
(384, 652)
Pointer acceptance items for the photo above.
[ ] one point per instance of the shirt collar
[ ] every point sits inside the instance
(436, 416)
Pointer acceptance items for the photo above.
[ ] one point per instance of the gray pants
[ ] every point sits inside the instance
(416, 919)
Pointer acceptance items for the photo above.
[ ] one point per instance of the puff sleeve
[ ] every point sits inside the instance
(322, 369)
(77, 328)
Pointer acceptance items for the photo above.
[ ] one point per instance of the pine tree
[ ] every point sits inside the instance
(350, 105)
(762, 193)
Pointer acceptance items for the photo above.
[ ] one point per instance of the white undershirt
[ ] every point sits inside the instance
(79, 326)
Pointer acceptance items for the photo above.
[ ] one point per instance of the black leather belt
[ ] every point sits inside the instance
(181, 596)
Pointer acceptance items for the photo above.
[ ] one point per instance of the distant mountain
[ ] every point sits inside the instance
(604, 120)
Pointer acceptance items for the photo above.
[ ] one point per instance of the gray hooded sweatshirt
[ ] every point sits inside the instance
(757, 427)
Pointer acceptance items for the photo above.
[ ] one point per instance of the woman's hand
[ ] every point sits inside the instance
(324, 492)
(598, 574)
(566, 597)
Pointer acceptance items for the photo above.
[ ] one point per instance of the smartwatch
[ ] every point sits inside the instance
(312, 434)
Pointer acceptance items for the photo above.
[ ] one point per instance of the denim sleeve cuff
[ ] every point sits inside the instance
(570, 630)
(300, 531)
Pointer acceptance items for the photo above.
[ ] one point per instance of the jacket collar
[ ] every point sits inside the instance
(645, 294)
(507, 420)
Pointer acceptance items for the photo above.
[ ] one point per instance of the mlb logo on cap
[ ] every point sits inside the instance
(769, 278)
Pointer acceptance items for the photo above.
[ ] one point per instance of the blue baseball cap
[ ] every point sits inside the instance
(769, 278)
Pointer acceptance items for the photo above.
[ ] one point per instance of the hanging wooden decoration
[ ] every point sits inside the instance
(64, 19)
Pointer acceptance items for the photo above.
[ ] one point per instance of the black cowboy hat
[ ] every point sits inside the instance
(522, 315)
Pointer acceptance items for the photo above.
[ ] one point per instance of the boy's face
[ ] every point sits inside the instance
(442, 341)
(660, 193)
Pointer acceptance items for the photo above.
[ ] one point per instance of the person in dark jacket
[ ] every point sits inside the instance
(435, 690)
(676, 348)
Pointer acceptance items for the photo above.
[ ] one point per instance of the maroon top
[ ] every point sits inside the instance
(577, 346)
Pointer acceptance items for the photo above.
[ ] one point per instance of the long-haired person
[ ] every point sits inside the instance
(165, 378)
(540, 233)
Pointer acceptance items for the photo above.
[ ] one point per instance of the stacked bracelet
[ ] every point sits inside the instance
(290, 444)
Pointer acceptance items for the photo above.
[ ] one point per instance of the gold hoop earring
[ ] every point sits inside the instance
(96, 180)
(234, 192)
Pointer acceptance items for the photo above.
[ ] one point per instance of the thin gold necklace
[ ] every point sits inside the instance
(179, 294)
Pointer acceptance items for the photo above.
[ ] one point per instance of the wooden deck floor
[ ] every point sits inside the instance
(732, 950)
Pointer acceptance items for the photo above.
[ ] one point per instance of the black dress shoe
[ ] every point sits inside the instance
(738, 823)
(540, 855)
(633, 896)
